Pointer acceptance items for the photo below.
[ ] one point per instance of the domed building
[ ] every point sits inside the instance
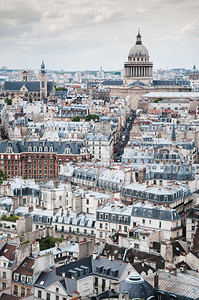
(135, 287)
(138, 67)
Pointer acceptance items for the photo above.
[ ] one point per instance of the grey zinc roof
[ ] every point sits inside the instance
(112, 82)
(116, 267)
(47, 278)
(32, 86)
(99, 266)
(154, 212)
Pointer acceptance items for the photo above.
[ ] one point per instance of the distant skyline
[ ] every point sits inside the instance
(86, 34)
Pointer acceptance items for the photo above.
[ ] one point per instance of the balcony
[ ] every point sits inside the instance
(176, 228)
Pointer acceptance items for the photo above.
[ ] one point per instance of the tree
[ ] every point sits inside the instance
(2, 177)
(91, 117)
(49, 243)
(8, 101)
(76, 119)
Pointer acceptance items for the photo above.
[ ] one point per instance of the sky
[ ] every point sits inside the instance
(86, 34)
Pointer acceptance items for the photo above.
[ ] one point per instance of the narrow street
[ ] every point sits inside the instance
(124, 137)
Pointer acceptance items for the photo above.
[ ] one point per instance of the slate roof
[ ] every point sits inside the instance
(171, 82)
(136, 287)
(112, 82)
(143, 267)
(48, 278)
(193, 213)
(18, 147)
(108, 294)
(32, 86)
(159, 213)
(138, 83)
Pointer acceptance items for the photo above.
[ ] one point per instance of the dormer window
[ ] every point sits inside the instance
(35, 149)
(45, 149)
(67, 150)
(9, 149)
(40, 149)
(16, 277)
(29, 149)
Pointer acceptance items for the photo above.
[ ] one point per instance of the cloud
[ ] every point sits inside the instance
(64, 31)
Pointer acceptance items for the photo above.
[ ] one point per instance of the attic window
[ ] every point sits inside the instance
(24, 264)
(6, 250)
(42, 282)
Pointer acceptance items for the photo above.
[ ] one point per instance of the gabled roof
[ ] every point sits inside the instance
(32, 86)
(138, 83)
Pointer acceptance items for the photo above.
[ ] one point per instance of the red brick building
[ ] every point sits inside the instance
(39, 159)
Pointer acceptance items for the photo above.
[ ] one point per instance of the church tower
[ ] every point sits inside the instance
(138, 67)
(43, 82)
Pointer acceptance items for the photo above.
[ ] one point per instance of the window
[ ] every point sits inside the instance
(125, 228)
(87, 201)
(22, 292)
(57, 290)
(39, 294)
(103, 284)
(101, 234)
(4, 275)
(15, 290)
(28, 292)
(29, 279)
(193, 227)
(23, 278)
(57, 297)
(101, 225)
(143, 221)
(47, 296)
(160, 224)
(4, 285)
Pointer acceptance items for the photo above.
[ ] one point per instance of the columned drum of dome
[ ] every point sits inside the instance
(138, 66)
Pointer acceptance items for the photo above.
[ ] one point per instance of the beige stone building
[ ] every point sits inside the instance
(138, 77)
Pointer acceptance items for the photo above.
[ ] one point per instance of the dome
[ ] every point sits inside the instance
(138, 49)
(136, 287)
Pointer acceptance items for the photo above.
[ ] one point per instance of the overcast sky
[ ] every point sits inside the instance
(87, 34)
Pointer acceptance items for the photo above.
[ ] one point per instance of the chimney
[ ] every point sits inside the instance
(156, 281)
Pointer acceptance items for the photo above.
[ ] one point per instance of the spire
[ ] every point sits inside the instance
(173, 135)
(139, 38)
(42, 67)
